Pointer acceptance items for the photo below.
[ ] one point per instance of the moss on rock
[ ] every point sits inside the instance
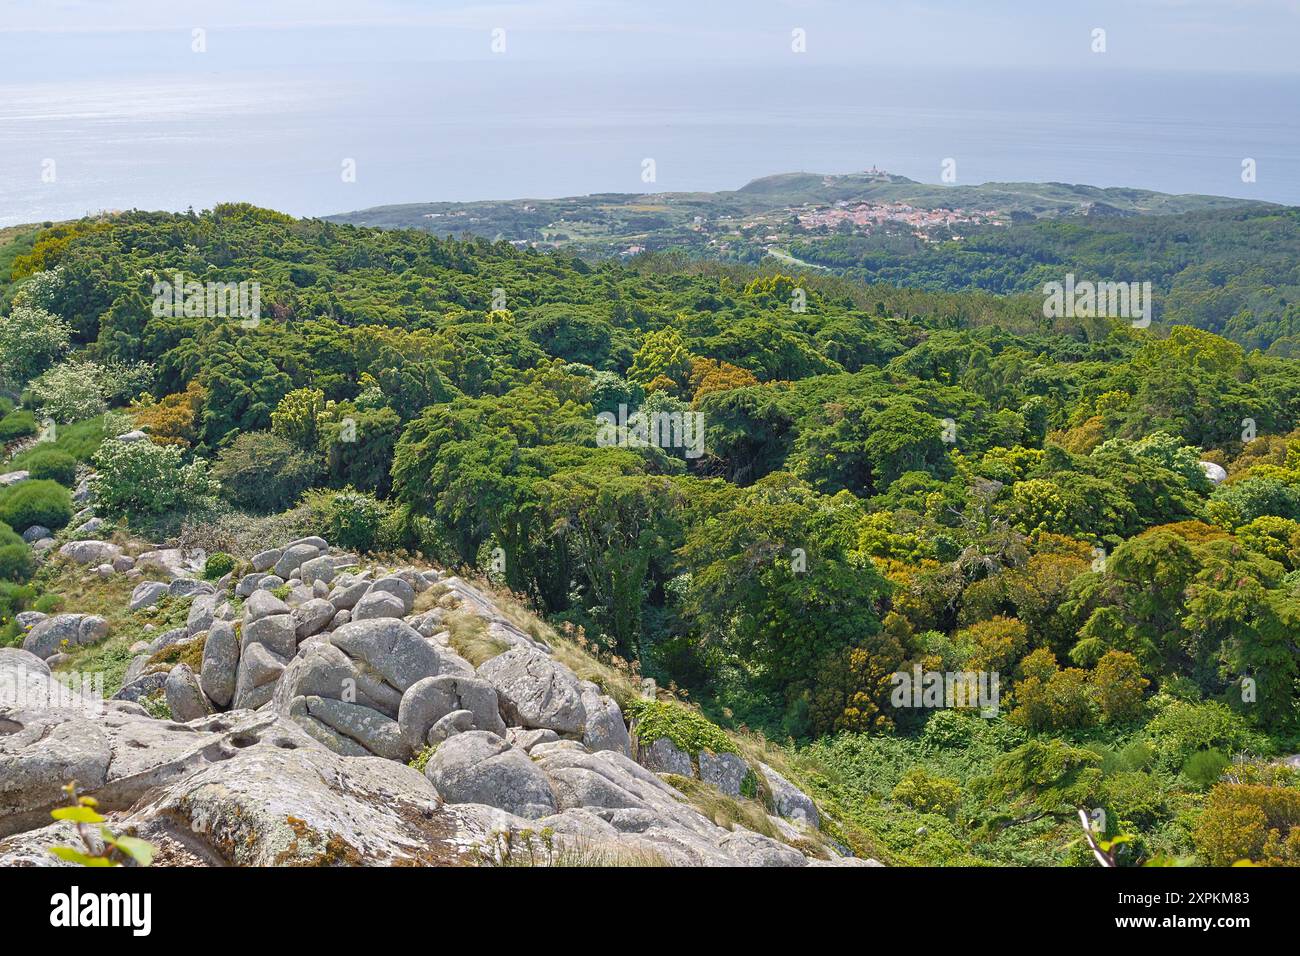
(689, 731)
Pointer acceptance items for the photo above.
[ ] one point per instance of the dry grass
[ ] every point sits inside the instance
(470, 639)
(615, 676)
(727, 812)
(85, 593)
(236, 532)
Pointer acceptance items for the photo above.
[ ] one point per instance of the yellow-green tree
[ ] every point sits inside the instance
(662, 362)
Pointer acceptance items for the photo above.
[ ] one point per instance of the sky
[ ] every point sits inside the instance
(53, 37)
(164, 104)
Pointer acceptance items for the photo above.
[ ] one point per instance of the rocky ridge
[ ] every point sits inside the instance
(305, 693)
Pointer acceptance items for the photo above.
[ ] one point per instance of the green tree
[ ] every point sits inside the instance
(779, 611)
(264, 472)
(663, 361)
(295, 417)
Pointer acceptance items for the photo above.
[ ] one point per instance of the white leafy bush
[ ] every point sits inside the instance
(31, 340)
(141, 478)
(69, 392)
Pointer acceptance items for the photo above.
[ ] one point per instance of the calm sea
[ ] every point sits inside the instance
(171, 139)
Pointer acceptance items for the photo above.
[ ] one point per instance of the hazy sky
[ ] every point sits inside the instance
(43, 37)
(113, 95)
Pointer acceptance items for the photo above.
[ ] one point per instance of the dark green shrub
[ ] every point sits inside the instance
(17, 424)
(15, 562)
(349, 518)
(54, 464)
(13, 598)
(1136, 796)
(41, 501)
(9, 536)
(218, 565)
(49, 603)
(1137, 756)
(263, 472)
(1204, 769)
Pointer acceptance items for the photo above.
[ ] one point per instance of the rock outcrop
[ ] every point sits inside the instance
(64, 630)
(290, 741)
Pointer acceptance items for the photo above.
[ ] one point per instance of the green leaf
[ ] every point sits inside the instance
(139, 850)
(73, 855)
(77, 815)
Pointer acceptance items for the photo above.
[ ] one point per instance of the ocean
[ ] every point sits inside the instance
(175, 137)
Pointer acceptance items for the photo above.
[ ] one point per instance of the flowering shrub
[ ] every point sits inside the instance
(69, 392)
(141, 478)
(31, 340)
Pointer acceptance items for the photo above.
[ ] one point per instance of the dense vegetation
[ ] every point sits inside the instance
(1234, 272)
(1226, 266)
(890, 479)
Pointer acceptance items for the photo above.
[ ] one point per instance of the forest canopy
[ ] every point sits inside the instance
(891, 478)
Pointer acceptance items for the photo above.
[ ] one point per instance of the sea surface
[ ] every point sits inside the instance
(173, 137)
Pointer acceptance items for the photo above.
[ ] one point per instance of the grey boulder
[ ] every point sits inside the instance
(258, 671)
(293, 557)
(322, 670)
(167, 639)
(312, 616)
(248, 584)
(390, 648)
(203, 610)
(188, 587)
(51, 635)
(347, 591)
(90, 552)
(185, 697)
(725, 771)
(318, 569)
(427, 701)
(398, 588)
(147, 594)
(220, 663)
(374, 731)
(457, 722)
(265, 560)
(378, 604)
(261, 603)
(788, 800)
(526, 740)
(536, 691)
(604, 729)
(277, 632)
(664, 756)
(479, 767)
(141, 686)
(29, 619)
